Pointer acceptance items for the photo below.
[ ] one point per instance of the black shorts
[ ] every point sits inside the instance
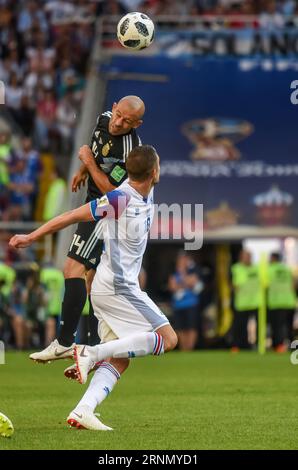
(86, 247)
(186, 318)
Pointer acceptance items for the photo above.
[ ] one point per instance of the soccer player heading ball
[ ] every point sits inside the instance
(130, 324)
(104, 164)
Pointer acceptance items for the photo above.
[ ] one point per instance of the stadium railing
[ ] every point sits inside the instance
(240, 34)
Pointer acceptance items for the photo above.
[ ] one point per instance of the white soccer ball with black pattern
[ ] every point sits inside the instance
(135, 31)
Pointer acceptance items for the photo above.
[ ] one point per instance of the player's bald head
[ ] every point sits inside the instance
(135, 103)
(126, 115)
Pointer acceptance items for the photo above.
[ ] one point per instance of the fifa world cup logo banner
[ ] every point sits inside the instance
(215, 139)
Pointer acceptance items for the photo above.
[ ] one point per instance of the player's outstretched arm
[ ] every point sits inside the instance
(81, 214)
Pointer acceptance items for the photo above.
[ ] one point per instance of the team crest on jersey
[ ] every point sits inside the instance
(106, 148)
(103, 201)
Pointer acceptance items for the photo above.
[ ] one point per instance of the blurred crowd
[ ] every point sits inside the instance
(30, 306)
(284, 8)
(19, 177)
(44, 51)
(217, 27)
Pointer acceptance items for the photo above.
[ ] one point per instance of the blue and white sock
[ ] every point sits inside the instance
(101, 385)
(138, 345)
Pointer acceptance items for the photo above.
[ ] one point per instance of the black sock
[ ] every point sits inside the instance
(72, 306)
(93, 337)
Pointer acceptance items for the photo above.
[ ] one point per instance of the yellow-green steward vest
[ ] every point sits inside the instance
(53, 280)
(281, 292)
(247, 286)
(7, 277)
(4, 157)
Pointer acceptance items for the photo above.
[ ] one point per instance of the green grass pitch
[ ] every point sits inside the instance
(199, 400)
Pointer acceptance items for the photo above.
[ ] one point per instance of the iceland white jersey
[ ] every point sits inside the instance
(126, 217)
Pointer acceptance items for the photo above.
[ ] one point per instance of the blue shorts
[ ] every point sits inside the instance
(19, 310)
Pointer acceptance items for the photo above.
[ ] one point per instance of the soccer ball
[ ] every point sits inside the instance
(6, 426)
(135, 31)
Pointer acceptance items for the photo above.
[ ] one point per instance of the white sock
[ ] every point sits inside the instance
(101, 385)
(141, 344)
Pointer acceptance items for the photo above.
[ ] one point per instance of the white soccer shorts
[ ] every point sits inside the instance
(122, 315)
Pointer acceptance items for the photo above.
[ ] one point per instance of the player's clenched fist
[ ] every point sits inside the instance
(86, 155)
(20, 241)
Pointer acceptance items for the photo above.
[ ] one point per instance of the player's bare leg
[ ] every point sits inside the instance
(89, 279)
(50, 330)
(187, 339)
(18, 325)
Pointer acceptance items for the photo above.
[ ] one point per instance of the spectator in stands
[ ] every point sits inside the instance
(7, 278)
(59, 12)
(15, 64)
(5, 159)
(25, 116)
(66, 121)
(52, 280)
(69, 79)
(6, 19)
(281, 301)
(33, 168)
(287, 7)
(4, 70)
(184, 285)
(131, 5)
(22, 190)
(31, 14)
(55, 197)
(4, 316)
(17, 312)
(41, 58)
(206, 5)
(272, 21)
(83, 39)
(143, 278)
(13, 94)
(113, 7)
(45, 118)
(72, 84)
(34, 300)
(246, 286)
